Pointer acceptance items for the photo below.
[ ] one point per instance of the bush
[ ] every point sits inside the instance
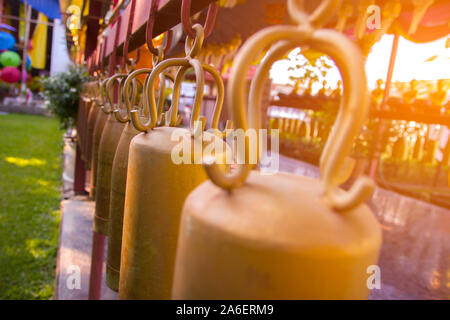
(63, 92)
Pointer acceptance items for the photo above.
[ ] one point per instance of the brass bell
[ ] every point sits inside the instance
(157, 185)
(244, 235)
(100, 122)
(107, 149)
(92, 118)
(118, 183)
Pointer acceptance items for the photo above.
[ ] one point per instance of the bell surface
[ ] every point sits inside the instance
(107, 149)
(97, 135)
(273, 238)
(117, 202)
(92, 117)
(155, 192)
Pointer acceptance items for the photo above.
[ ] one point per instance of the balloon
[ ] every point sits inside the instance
(10, 74)
(10, 59)
(28, 62)
(7, 41)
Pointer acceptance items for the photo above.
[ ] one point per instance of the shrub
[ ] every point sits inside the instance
(62, 92)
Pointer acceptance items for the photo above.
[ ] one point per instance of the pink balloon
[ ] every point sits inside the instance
(10, 74)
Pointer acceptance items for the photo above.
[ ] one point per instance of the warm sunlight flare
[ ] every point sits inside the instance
(410, 63)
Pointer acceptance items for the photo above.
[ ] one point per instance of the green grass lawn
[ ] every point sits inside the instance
(30, 180)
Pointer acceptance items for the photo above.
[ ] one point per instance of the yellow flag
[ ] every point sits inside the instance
(39, 41)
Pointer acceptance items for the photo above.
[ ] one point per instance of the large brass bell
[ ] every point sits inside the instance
(107, 149)
(157, 185)
(119, 178)
(244, 235)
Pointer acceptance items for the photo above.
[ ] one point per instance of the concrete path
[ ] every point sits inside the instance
(74, 253)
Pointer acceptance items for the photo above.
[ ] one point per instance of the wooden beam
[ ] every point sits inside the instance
(168, 16)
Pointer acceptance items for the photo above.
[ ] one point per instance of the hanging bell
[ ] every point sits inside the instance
(107, 149)
(100, 122)
(118, 181)
(162, 171)
(155, 192)
(92, 118)
(244, 235)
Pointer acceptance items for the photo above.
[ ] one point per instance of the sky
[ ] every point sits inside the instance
(410, 63)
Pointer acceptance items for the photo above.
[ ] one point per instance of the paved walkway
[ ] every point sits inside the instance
(74, 254)
(415, 256)
(414, 261)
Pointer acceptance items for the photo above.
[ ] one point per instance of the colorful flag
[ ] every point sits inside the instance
(39, 41)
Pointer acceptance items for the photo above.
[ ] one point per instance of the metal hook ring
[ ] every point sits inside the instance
(186, 18)
(190, 49)
(128, 99)
(151, 104)
(109, 92)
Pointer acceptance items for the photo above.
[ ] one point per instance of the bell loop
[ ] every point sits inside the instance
(193, 46)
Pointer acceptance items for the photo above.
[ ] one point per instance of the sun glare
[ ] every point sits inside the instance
(411, 63)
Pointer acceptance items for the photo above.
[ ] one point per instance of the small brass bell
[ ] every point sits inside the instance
(100, 122)
(118, 184)
(92, 118)
(107, 149)
(158, 184)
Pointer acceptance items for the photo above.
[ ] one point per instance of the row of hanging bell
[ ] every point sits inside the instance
(156, 186)
(107, 133)
(245, 235)
(128, 93)
(119, 176)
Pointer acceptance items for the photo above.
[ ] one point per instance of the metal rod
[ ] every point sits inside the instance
(95, 279)
(387, 87)
(79, 184)
(23, 19)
